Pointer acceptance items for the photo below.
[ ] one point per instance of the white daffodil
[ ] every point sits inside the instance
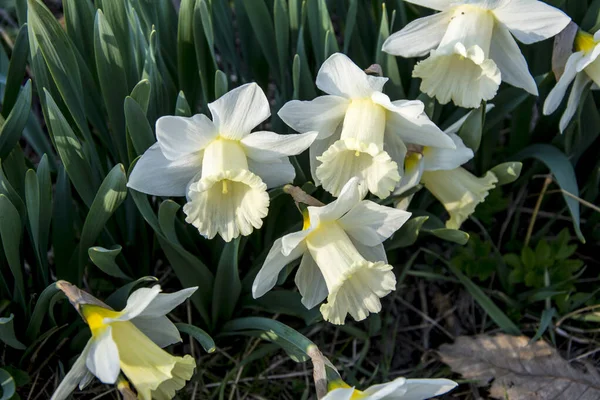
(583, 67)
(398, 389)
(130, 341)
(343, 258)
(361, 132)
(222, 168)
(440, 171)
(472, 48)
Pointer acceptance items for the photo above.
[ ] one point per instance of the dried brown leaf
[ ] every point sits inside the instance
(520, 370)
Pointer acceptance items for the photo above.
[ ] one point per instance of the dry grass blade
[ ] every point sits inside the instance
(520, 370)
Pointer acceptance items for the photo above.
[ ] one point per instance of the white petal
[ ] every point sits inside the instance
(531, 20)
(588, 58)
(581, 82)
(323, 114)
(389, 390)
(339, 76)
(455, 127)
(340, 394)
(413, 170)
(418, 37)
(317, 149)
(103, 358)
(137, 302)
(164, 303)
(154, 174)
(371, 253)
(86, 380)
(508, 57)
(439, 5)
(273, 173)
(408, 120)
(395, 147)
(291, 241)
(435, 158)
(557, 93)
(180, 136)
(230, 203)
(77, 372)
(371, 224)
(421, 389)
(351, 158)
(269, 146)
(349, 197)
(274, 263)
(310, 282)
(160, 330)
(240, 110)
(458, 74)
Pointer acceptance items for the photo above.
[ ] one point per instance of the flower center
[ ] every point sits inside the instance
(339, 384)
(94, 316)
(365, 122)
(470, 25)
(223, 155)
(584, 42)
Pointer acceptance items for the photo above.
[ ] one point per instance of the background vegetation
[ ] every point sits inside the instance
(82, 84)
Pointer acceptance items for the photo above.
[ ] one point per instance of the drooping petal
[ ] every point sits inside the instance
(395, 147)
(240, 110)
(137, 302)
(510, 61)
(269, 146)
(349, 197)
(291, 241)
(413, 170)
(435, 158)
(77, 372)
(339, 76)
(421, 389)
(159, 329)
(531, 20)
(557, 93)
(316, 150)
(310, 282)
(164, 303)
(390, 390)
(156, 175)
(370, 253)
(462, 75)
(181, 136)
(323, 114)
(103, 357)
(581, 82)
(408, 120)
(273, 173)
(371, 223)
(274, 263)
(86, 380)
(340, 394)
(418, 37)
(230, 203)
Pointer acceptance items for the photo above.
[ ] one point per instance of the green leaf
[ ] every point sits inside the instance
(388, 62)
(472, 129)
(507, 172)
(319, 24)
(138, 126)
(113, 80)
(111, 194)
(118, 299)
(10, 232)
(227, 286)
(282, 36)
(546, 320)
(205, 43)
(79, 18)
(8, 385)
(189, 78)
(7, 333)
(350, 23)
(105, 260)
(451, 235)
(296, 69)
(141, 94)
(182, 108)
(40, 311)
(63, 235)
(11, 130)
(207, 343)
(9, 191)
(221, 84)
(262, 25)
(276, 332)
(16, 70)
(407, 235)
(71, 152)
(564, 174)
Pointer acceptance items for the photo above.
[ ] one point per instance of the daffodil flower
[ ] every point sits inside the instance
(222, 168)
(440, 171)
(471, 46)
(361, 131)
(398, 389)
(130, 341)
(343, 258)
(582, 68)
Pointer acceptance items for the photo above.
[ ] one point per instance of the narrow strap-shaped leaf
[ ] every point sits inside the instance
(207, 343)
(10, 232)
(7, 333)
(79, 18)
(138, 126)
(227, 287)
(63, 234)
(388, 62)
(105, 260)
(189, 79)
(8, 385)
(11, 131)
(39, 311)
(16, 70)
(182, 108)
(262, 25)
